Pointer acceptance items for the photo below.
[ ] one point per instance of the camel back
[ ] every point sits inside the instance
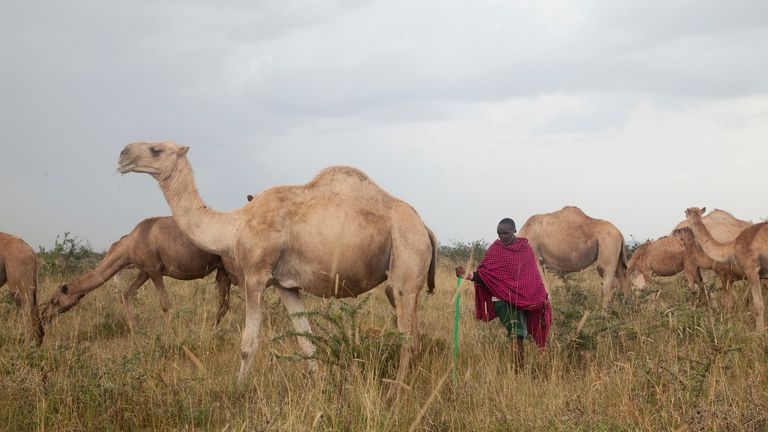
(348, 181)
(640, 253)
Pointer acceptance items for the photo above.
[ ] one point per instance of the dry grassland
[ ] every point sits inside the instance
(657, 361)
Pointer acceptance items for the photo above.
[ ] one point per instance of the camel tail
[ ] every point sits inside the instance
(623, 255)
(432, 262)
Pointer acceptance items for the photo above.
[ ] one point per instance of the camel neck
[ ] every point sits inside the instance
(720, 252)
(697, 255)
(210, 230)
(115, 260)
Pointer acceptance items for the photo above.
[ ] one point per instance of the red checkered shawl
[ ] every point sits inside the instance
(510, 274)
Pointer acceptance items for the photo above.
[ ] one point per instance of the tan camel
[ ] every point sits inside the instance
(568, 241)
(727, 273)
(157, 248)
(749, 251)
(18, 267)
(337, 236)
(663, 257)
(723, 226)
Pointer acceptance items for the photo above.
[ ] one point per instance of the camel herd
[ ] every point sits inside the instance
(341, 235)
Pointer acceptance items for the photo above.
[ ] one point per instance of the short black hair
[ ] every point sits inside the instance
(508, 221)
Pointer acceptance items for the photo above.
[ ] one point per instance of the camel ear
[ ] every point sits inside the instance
(183, 150)
(250, 198)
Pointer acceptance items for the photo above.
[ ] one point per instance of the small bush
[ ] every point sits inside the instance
(459, 252)
(341, 341)
(69, 256)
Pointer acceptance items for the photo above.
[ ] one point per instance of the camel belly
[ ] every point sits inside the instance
(341, 270)
(331, 279)
(569, 260)
(336, 286)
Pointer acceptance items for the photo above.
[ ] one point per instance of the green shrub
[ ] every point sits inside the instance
(341, 341)
(69, 256)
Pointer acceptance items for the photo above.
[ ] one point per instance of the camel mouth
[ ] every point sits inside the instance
(125, 168)
(47, 313)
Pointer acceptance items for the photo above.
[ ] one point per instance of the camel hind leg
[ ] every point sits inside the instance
(408, 267)
(607, 270)
(23, 287)
(224, 284)
(295, 306)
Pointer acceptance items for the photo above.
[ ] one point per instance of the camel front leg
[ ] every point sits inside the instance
(540, 266)
(295, 306)
(727, 282)
(255, 284)
(690, 278)
(165, 303)
(647, 278)
(127, 296)
(224, 284)
(757, 300)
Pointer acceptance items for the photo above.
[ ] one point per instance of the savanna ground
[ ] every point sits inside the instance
(659, 360)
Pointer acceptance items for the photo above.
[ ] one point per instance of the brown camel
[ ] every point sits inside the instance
(18, 267)
(663, 257)
(749, 251)
(337, 236)
(568, 241)
(157, 247)
(727, 273)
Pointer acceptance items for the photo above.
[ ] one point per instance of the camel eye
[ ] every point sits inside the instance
(155, 151)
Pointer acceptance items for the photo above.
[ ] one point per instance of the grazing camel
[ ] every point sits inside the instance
(18, 267)
(663, 257)
(568, 241)
(337, 236)
(727, 273)
(749, 251)
(157, 247)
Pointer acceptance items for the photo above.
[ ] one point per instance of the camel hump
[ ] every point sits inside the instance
(725, 217)
(346, 180)
(573, 210)
(150, 221)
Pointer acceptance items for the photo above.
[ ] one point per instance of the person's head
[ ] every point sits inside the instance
(506, 231)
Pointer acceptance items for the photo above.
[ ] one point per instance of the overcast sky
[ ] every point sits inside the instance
(471, 111)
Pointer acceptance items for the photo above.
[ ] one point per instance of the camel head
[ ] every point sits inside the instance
(60, 302)
(694, 213)
(156, 159)
(683, 233)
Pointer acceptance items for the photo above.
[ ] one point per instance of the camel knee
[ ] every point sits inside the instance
(165, 305)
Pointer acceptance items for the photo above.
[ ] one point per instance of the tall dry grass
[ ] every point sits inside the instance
(659, 360)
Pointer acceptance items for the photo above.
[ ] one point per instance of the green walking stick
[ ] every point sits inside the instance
(456, 328)
(456, 318)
